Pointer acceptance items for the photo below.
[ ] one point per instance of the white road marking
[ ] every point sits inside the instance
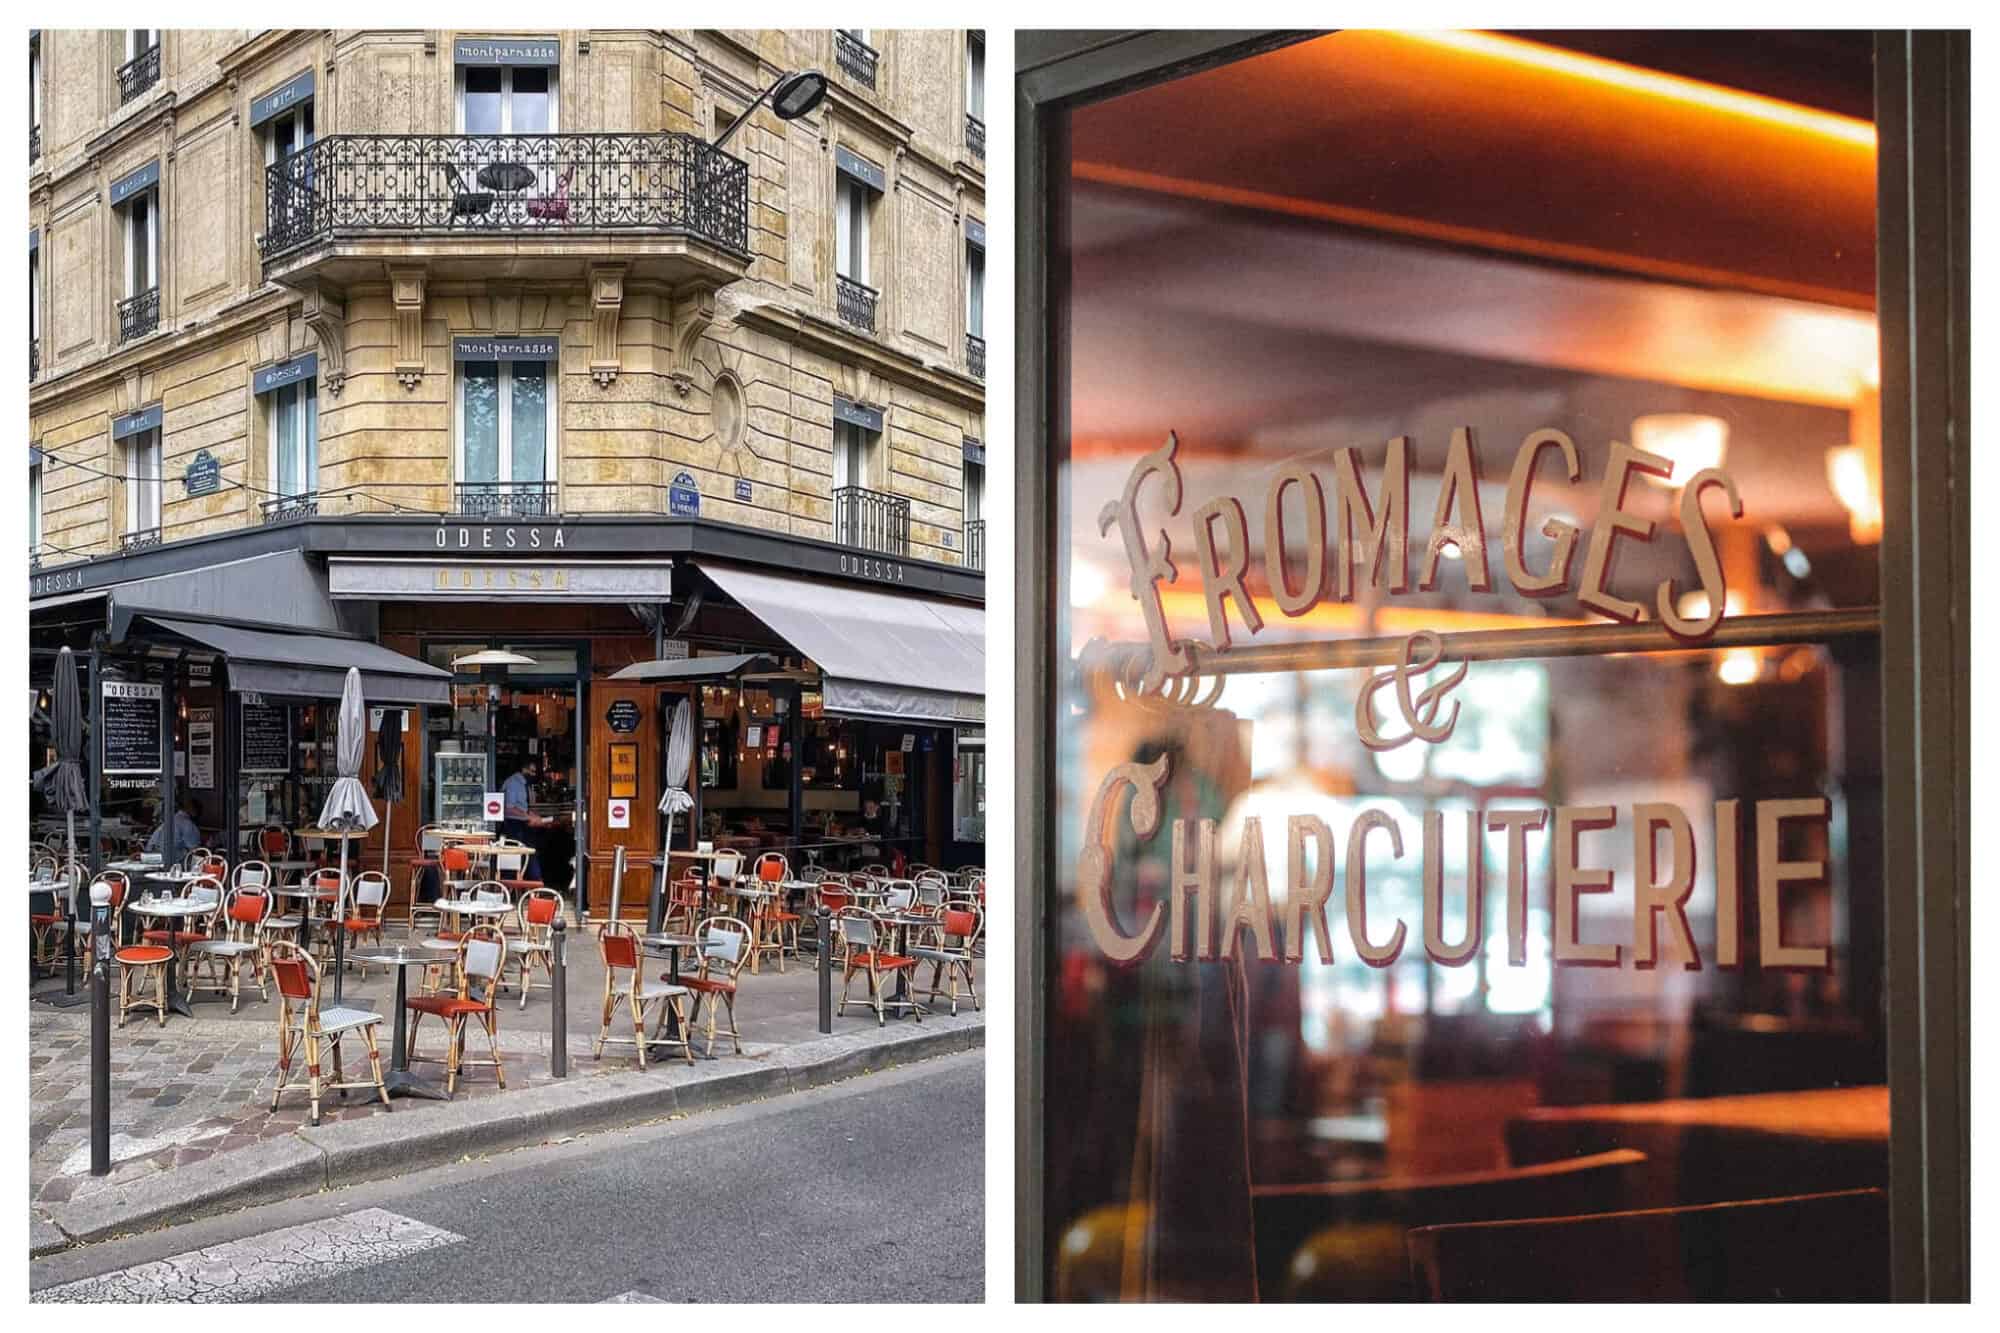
(632, 1298)
(124, 1147)
(242, 1270)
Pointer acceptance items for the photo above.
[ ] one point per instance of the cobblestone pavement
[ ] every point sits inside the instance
(201, 1086)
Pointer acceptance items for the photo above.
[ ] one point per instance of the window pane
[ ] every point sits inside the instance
(530, 421)
(482, 100)
(531, 101)
(139, 218)
(309, 470)
(843, 227)
(481, 390)
(285, 438)
(975, 294)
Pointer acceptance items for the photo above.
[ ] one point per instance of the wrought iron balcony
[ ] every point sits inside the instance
(138, 540)
(34, 142)
(857, 303)
(34, 359)
(975, 544)
(287, 507)
(975, 136)
(139, 73)
(975, 355)
(139, 315)
(871, 520)
(505, 499)
(856, 58)
(518, 184)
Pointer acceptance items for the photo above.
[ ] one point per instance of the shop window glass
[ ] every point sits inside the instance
(1519, 454)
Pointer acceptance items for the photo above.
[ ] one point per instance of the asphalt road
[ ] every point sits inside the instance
(868, 1190)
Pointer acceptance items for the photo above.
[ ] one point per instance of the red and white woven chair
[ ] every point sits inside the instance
(137, 963)
(870, 951)
(430, 844)
(625, 983)
(367, 901)
(724, 945)
(302, 1023)
(538, 911)
(235, 937)
(774, 925)
(947, 947)
(482, 958)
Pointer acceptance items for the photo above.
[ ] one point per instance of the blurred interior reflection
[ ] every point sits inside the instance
(1662, 240)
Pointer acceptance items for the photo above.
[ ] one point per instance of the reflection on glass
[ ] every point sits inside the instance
(481, 381)
(531, 421)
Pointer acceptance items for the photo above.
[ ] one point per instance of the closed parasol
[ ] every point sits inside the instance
(677, 800)
(347, 807)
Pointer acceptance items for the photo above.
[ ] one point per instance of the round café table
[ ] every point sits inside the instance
(903, 923)
(399, 1081)
(174, 911)
(507, 177)
(307, 896)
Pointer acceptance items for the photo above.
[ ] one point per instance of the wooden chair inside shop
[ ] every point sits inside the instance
(625, 983)
(1822, 1248)
(476, 972)
(947, 947)
(538, 911)
(724, 942)
(430, 843)
(368, 900)
(235, 938)
(1345, 1240)
(775, 926)
(870, 951)
(304, 1027)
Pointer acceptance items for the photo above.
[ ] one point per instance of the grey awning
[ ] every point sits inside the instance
(313, 665)
(696, 668)
(882, 655)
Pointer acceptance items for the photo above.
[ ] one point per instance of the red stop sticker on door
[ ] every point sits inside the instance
(618, 814)
(494, 806)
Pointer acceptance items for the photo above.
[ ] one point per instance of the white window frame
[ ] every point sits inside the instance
(851, 206)
(975, 287)
(507, 96)
(34, 84)
(273, 402)
(133, 48)
(140, 449)
(551, 455)
(298, 118)
(853, 450)
(151, 196)
(975, 79)
(972, 493)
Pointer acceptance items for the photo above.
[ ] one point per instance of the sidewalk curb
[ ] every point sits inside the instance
(348, 1152)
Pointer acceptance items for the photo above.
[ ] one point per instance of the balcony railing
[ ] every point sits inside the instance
(975, 136)
(287, 507)
(34, 142)
(34, 359)
(857, 59)
(505, 499)
(857, 303)
(139, 540)
(975, 544)
(975, 355)
(871, 520)
(139, 315)
(401, 184)
(139, 73)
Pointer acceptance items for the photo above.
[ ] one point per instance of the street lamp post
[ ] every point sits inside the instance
(792, 96)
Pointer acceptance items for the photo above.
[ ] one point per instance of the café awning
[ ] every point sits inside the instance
(312, 665)
(882, 654)
(696, 668)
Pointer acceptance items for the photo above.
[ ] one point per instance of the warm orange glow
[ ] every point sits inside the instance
(1186, 606)
(1572, 64)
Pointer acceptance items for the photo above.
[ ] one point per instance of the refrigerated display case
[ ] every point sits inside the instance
(459, 782)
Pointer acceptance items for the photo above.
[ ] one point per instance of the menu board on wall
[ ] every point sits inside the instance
(267, 737)
(132, 727)
(201, 749)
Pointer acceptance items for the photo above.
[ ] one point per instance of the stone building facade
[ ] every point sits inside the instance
(295, 273)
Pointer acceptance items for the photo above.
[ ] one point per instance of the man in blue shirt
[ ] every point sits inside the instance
(182, 829)
(518, 821)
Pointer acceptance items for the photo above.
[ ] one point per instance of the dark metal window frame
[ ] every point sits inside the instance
(1922, 249)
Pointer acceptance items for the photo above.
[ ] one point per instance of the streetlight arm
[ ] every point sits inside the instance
(748, 112)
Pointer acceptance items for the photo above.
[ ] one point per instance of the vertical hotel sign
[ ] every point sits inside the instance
(1358, 543)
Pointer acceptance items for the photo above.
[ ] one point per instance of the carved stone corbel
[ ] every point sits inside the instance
(693, 313)
(406, 293)
(325, 314)
(607, 300)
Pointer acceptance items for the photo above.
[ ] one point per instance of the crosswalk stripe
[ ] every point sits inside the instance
(256, 1266)
(632, 1298)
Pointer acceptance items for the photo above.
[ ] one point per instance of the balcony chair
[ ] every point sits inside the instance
(466, 203)
(554, 207)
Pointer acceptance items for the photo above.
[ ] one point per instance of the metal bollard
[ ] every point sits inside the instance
(825, 928)
(558, 1002)
(100, 1030)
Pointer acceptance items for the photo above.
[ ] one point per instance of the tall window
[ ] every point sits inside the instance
(850, 455)
(975, 492)
(288, 134)
(507, 99)
(850, 242)
(34, 313)
(975, 291)
(138, 41)
(295, 439)
(35, 503)
(142, 242)
(506, 422)
(34, 98)
(141, 466)
(975, 75)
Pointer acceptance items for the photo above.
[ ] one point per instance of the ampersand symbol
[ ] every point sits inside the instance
(1419, 712)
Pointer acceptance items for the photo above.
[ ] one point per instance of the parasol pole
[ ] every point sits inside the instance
(340, 928)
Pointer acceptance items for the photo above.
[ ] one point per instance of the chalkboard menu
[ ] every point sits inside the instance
(267, 738)
(132, 721)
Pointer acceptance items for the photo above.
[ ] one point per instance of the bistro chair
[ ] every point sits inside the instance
(930, 896)
(366, 905)
(510, 866)
(301, 1022)
(725, 947)
(326, 885)
(728, 866)
(624, 982)
(771, 918)
(137, 964)
(46, 928)
(868, 941)
(476, 971)
(184, 932)
(538, 911)
(235, 936)
(833, 894)
(196, 858)
(430, 843)
(554, 207)
(898, 895)
(951, 959)
(466, 203)
(273, 843)
(683, 905)
(454, 870)
(252, 875)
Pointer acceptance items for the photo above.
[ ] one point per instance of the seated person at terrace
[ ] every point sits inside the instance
(183, 828)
